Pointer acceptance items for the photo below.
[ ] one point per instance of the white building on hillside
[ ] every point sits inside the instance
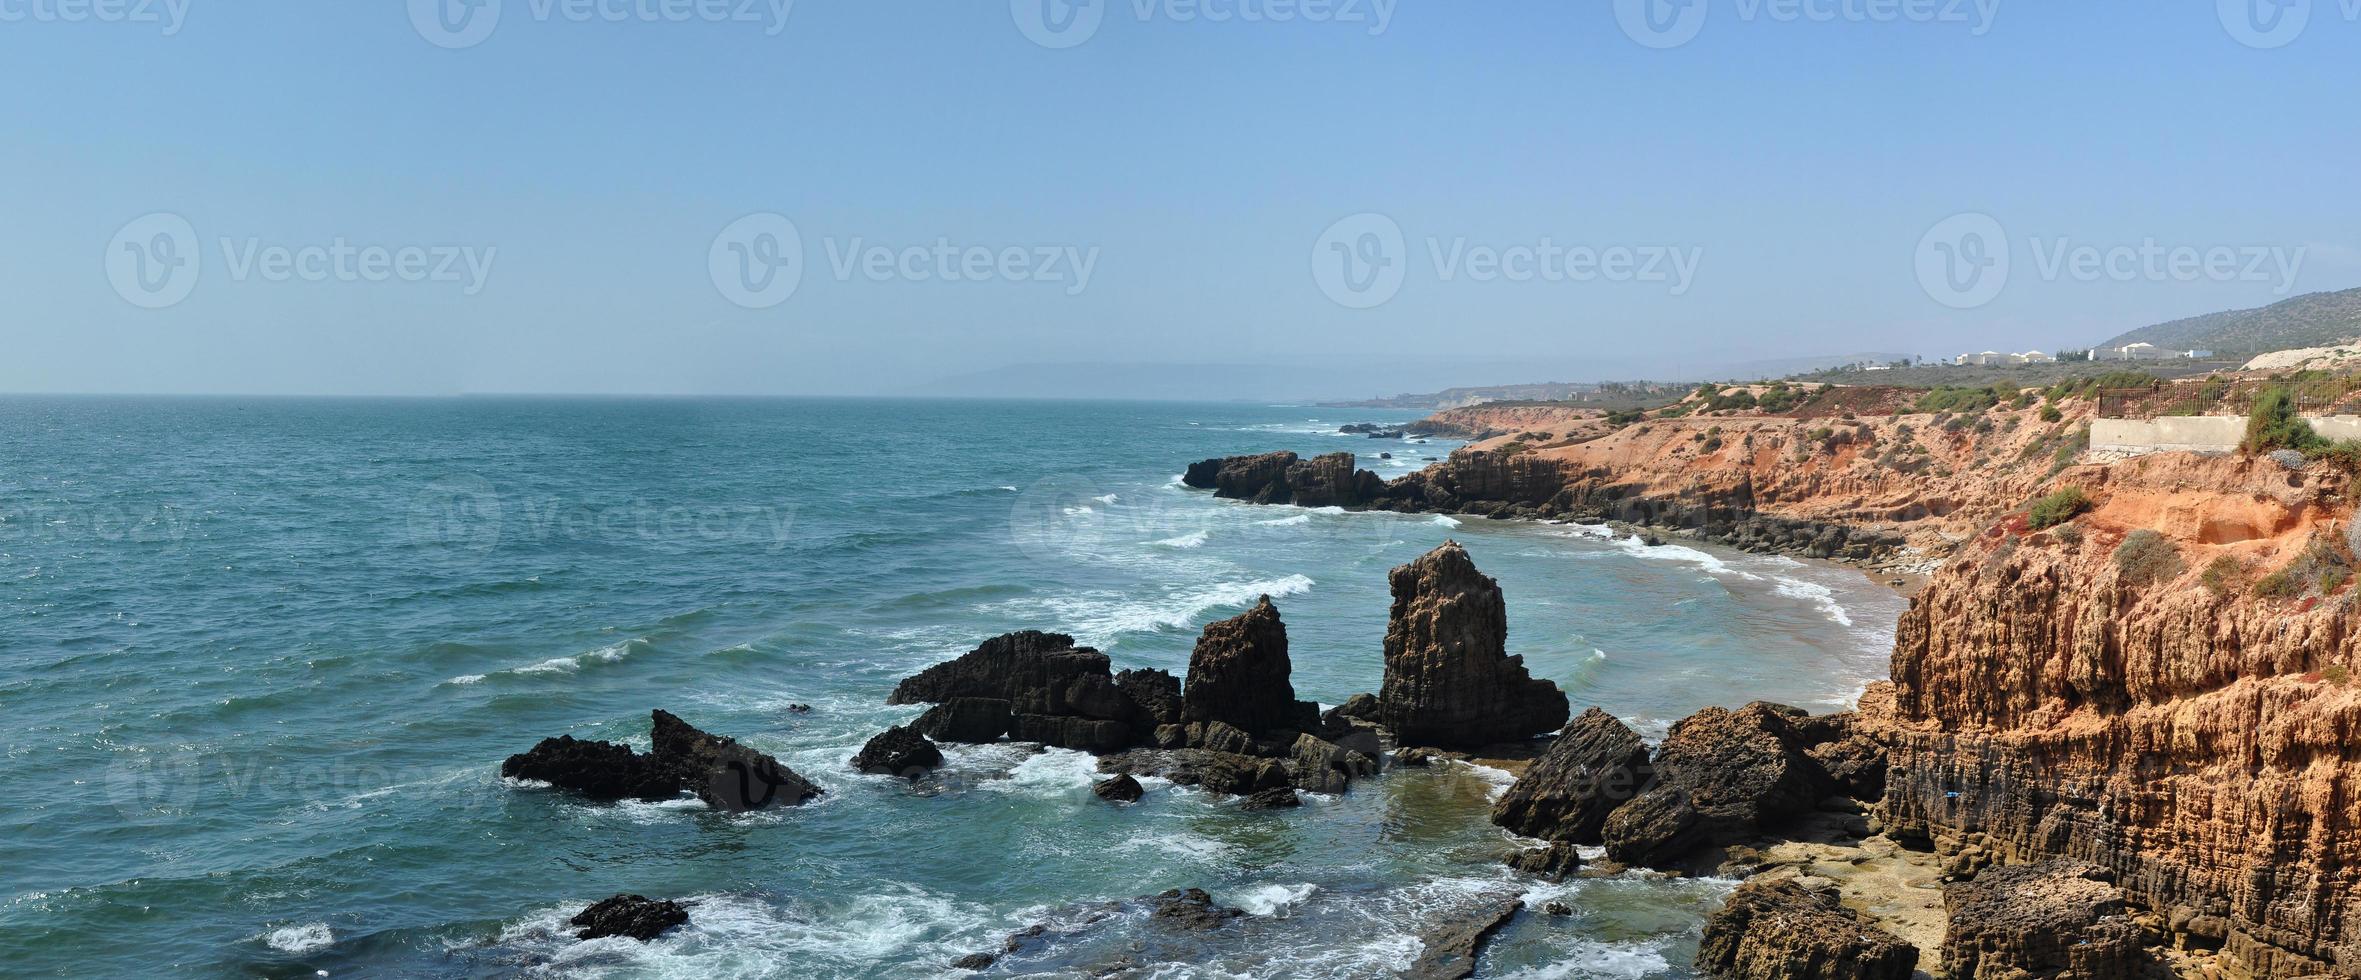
(2033, 357)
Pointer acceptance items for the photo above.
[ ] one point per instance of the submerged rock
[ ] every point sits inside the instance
(900, 751)
(1449, 680)
(1596, 764)
(1553, 863)
(1121, 789)
(1780, 930)
(1451, 946)
(636, 916)
(2053, 919)
(1279, 798)
(1191, 908)
(721, 772)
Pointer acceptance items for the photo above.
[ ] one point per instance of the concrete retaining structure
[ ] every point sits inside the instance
(2198, 432)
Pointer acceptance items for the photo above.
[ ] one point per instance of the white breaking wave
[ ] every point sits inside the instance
(1815, 593)
(1109, 499)
(613, 653)
(1193, 539)
(1051, 774)
(302, 939)
(1099, 617)
(1274, 899)
(1287, 521)
(1444, 520)
(740, 935)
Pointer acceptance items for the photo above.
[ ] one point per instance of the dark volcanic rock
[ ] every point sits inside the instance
(1121, 789)
(1554, 862)
(1191, 908)
(2053, 919)
(1780, 930)
(899, 751)
(599, 770)
(636, 916)
(1272, 799)
(1055, 693)
(1596, 764)
(1855, 764)
(1452, 945)
(726, 775)
(723, 773)
(1332, 481)
(974, 720)
(1449, 680)
(1157, 695)
(1238, 675)
(1285, 478)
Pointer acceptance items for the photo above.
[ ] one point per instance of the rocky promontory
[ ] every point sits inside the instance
(1449, 679)
(726, 775)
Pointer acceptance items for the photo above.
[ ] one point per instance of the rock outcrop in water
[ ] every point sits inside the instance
(1780, 930)
(1239, 675)
(721, 772)
(1596, 765)
(1050, 691)
(1449, 679)
(1285, 478)
(635, 916)
(898, 751)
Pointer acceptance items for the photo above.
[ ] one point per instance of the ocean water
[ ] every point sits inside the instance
(262, 659)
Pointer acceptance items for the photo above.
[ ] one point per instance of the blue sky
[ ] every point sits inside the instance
(587, 167)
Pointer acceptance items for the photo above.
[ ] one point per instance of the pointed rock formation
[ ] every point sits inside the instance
(1596, 764)
(1239, 676)
(1449, 680)
(723, 773)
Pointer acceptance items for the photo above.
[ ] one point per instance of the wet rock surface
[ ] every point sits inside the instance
(1121, 789)
(724, 774)
(1452, 945)
(899, 751)
(634, 916)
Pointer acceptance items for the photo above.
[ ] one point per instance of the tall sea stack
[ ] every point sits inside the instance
(1449, 680)
(1239, 674)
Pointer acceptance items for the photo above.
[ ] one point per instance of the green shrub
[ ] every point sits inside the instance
(1623, 418)
(1712, 443)
(2071, 535)
(2224, 576)
(2057, 508)
(2273, 424)
(1953, 399)
(2146, 558)
(2050, 413)
(2279, 585)
(2336, 674)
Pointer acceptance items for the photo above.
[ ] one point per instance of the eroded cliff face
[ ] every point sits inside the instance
(2057, 698)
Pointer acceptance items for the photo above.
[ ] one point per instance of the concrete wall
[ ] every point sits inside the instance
(2198, 432)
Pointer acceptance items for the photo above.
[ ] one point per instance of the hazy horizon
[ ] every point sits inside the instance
(1358, 200)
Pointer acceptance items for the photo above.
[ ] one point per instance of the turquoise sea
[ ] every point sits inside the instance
(260, 661)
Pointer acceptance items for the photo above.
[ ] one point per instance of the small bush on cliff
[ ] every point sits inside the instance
(2336, 674)
(1620, 419)
(2274, 424)
(2057, 508)
(2050, 413)
(2224, 576)
(1962, 400)
(2279, 585)
(2146, 558)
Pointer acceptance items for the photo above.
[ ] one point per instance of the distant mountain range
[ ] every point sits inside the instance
(2310, 320)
